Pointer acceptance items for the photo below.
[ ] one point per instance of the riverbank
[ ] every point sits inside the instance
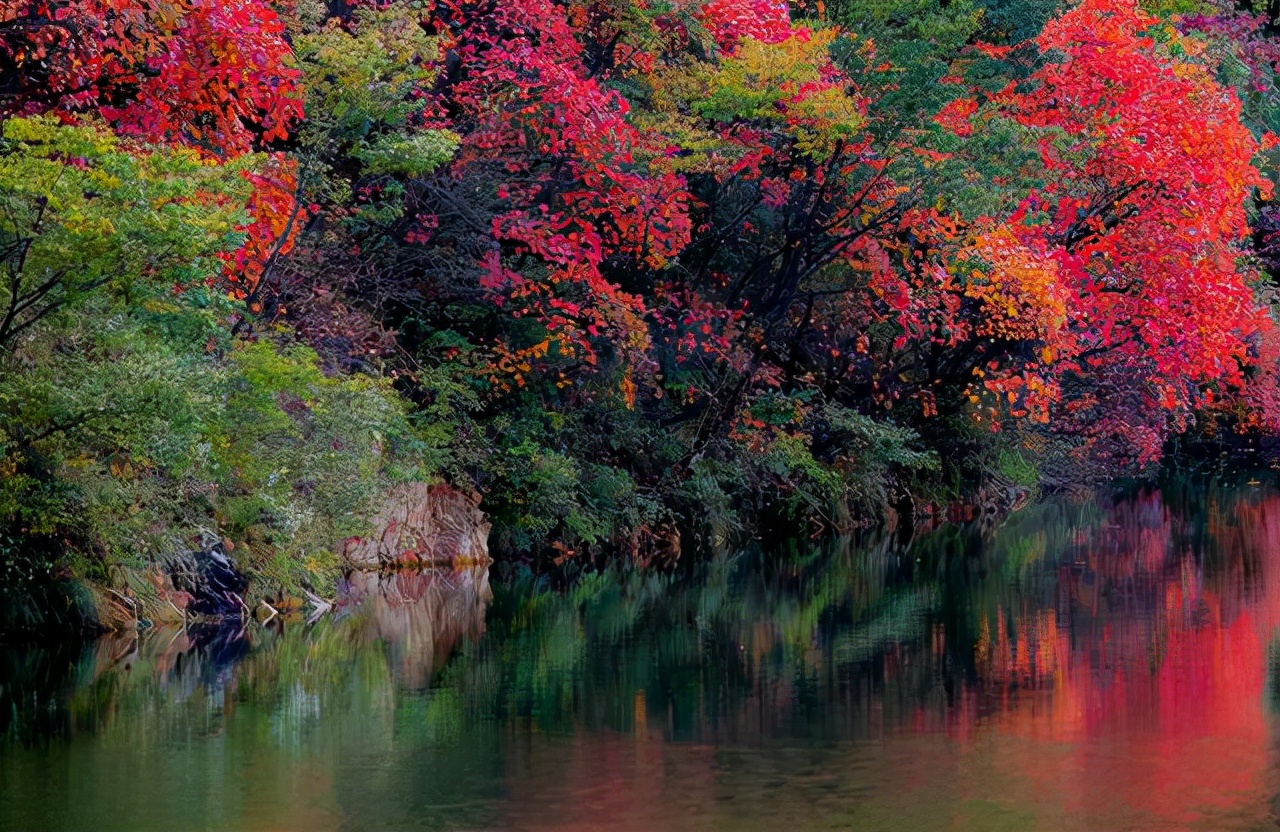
(416, 526)
(432, 527)
(421, 526)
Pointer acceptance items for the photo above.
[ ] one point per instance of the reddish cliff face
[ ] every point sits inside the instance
(423, 524)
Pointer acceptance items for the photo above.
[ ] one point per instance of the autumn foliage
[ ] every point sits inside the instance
(1140, 229)
(211, 74)
(619, 249)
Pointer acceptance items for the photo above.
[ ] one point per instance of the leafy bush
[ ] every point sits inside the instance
(131, 423)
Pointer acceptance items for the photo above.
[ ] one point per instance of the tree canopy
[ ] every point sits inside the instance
(628, 269)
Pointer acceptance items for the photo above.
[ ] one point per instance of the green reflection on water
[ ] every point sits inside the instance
(1086, 666)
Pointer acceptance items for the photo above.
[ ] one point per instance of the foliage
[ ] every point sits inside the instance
(212, 75)
(643, 275)
(130, 421)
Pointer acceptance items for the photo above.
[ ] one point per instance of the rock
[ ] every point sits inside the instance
(206, 583)
(423, 524)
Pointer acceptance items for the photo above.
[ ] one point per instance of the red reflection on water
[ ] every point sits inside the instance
(1127, 691)
(1152, 665)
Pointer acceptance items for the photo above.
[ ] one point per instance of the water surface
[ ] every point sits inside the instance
(1093, 666)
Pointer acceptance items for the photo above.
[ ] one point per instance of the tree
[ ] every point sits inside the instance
(212, 75)
(1137, 232)
(79, 214)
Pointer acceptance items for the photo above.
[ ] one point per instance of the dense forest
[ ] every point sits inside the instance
(646, 276)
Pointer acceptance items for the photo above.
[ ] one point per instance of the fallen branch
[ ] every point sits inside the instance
(129, 602)
(321, 605)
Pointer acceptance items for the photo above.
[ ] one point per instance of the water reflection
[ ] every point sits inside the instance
(419, 617)
(1086, 667)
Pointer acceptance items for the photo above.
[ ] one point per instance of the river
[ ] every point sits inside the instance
(1110, 664)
